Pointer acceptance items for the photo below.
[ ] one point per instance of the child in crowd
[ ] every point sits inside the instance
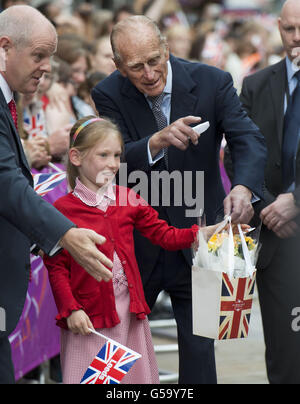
(116, 309)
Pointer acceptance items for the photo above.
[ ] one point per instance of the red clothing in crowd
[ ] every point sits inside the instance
(75, 289)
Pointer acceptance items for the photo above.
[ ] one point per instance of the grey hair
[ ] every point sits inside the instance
(18, 23)
(131, 23)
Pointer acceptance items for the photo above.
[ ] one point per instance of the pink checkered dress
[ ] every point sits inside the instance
(77, 352)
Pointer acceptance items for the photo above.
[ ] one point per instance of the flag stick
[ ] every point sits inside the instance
(55, 168)
(100, 335)
(114, 342)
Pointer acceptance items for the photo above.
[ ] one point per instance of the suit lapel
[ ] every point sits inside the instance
(138, 110)
(278, 85)
(16, 136)
(183, 104)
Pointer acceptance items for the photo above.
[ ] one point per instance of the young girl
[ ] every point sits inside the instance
(116, 309)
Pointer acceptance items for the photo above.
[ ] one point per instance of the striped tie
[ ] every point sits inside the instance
(161, 119)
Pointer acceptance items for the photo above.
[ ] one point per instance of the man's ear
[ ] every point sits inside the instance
(5, 45)
(75, 157)
(167, 51)
(119, 67)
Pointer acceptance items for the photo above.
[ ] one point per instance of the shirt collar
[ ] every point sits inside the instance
(169, 83)
(290, 70)
(168, 88)
(8, 94)
(92, 198)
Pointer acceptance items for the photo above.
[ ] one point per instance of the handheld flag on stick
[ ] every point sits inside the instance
(44, 183)
(111, 364)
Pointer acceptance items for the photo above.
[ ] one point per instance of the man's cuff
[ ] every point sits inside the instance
(255, 198)
(55, 250)
(35, 249)
(159, 156)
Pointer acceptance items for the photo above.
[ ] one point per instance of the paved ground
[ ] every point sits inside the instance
(238, 361)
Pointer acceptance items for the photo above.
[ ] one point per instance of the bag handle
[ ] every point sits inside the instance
(249, 267)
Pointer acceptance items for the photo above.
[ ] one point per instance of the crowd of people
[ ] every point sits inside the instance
(238, 43)
(94, 42)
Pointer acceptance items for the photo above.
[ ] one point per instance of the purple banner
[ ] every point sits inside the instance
(36, 338)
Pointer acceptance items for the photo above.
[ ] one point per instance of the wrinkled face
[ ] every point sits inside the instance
(289, 27)
(101, 163)
(144, 61)
(26, 65)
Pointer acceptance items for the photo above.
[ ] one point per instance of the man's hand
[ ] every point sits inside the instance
(238, 205)
(59, 141)
(81, 244)
(287, 230)
(177, 134)
(280, 213)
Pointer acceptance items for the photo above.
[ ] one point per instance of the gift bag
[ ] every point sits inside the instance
(223, 283)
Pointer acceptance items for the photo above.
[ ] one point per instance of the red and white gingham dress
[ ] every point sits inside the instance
(77, 351)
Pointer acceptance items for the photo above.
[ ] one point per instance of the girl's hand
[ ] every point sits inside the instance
(208, 231)
(79, 323)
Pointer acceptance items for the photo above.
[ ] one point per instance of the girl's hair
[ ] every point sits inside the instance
(87, 138)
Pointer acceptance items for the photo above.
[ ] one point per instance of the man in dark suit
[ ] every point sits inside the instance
(27, 41)
(269, 97)
(187, 91)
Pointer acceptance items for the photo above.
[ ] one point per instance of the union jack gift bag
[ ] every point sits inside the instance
(223, 283)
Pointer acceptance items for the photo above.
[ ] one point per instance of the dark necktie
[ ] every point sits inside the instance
(13, 110)
(291, 137)
(160, 118)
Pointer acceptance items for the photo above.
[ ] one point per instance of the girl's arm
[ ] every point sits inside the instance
(59, 278)
(160, 233)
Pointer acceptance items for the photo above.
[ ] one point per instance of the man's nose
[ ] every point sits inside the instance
(297, 35)
(46, 66)
(148, 72)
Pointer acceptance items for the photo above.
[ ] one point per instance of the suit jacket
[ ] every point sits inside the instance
(263, 96)
(25, 219)
(198, 90)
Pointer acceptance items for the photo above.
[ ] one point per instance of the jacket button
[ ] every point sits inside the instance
(124, 262)
(130, 285)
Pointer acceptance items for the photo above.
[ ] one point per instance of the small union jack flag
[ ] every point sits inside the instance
(236, 305)
(111, 364)
(35, 124)
(44, 183)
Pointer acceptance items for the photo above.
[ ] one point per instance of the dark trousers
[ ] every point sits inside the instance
(196, 354)
(279, 294)
(6, 366)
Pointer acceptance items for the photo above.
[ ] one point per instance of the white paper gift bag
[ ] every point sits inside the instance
(221, 307)
(223, 283)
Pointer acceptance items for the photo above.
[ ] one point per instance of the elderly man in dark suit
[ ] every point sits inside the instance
(154, 98)
(27, 41)
(272, 99)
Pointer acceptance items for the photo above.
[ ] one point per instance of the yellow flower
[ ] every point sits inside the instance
(216, 241)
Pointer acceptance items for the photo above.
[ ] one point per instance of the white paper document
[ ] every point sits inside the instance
(201, 128)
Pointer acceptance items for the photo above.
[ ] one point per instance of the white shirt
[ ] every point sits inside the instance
(8, 94)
